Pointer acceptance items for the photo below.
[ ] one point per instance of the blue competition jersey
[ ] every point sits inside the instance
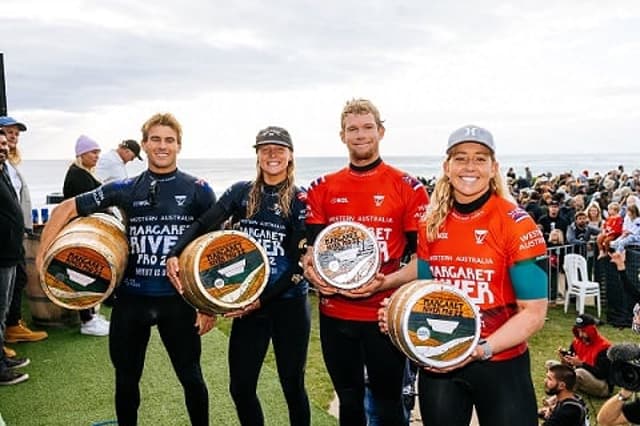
(158, 209)
(273, 231)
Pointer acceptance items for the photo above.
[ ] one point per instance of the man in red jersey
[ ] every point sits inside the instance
(478, 240)
(389, 202)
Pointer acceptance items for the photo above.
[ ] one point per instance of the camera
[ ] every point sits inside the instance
(626, 374)
(565, 352)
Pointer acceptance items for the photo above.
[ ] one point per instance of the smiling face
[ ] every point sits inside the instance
(162, 148)
(4, 149)
(13, 135)
(273, 161)
(470, 168)
(362, 137)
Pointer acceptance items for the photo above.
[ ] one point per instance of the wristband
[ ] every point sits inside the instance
(623, 398)
(487, 352)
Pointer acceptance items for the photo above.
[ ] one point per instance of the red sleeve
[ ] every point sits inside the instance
(417, 199)
(315, 202)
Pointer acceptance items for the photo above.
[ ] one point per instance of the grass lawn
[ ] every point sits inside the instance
(72, 379)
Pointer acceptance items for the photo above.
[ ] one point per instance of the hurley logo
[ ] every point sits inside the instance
(378, 200)
(180, 199)
(480, 235)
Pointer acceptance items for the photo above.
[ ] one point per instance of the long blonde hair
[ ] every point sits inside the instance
(442, 199)
(285, 193)
(15, 158)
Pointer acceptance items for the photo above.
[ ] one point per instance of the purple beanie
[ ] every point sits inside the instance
(85, 144)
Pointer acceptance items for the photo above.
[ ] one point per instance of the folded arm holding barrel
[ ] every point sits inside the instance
(230, 205)
(474, 237)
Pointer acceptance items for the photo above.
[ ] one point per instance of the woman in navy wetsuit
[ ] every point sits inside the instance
(271, 209)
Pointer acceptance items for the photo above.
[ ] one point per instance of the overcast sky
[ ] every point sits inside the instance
(554, 78)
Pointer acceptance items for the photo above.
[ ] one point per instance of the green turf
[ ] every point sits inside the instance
(72, 379)
(71, 383)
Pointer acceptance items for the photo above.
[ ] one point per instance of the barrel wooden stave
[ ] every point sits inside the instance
(89, 253)
(196, 266)
(399, 312)
(43, 311)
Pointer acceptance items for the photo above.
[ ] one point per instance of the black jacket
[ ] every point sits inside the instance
(78, 181)
(11, 223)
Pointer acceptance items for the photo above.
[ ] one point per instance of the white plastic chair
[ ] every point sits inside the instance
(578, 284)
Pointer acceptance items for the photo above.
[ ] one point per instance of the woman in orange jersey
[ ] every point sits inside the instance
(474, 228)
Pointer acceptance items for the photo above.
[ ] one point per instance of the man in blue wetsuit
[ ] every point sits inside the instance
(159, 205)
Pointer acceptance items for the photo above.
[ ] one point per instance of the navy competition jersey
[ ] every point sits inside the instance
(278, 235)
(158, 209)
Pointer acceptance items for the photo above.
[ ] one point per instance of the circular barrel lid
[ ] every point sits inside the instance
(440, 325)
(232, 268)
(346, 255)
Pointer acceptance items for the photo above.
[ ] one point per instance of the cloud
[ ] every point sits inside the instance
(228, 69)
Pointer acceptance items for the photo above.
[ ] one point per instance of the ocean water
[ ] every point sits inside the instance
(46, 176)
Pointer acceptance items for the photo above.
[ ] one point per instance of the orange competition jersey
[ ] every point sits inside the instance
(386, 200)
(475, 251)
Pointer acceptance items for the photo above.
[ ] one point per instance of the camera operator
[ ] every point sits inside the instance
(622, 409)
(588, 355)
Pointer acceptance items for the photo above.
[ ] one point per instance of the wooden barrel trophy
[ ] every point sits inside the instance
(432, 323)
(346, 255)
(223, 271)
(43, 311)
(85, 262)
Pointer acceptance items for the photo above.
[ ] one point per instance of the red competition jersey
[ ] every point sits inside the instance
(475, 251)
(386, 200)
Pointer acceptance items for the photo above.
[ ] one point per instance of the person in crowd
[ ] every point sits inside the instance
(611, 229)
(145, 297)
(568, 211)
(533, 206)
(594, 215)
(631, 232)
(552, 220)
(556, 250)
(389, 202)
(80, 178)
(582, 235)
(270, 208)
(498, 271)
(11, 253)
(112, 165)
(588, 355)
(17, 329)
(565, 407)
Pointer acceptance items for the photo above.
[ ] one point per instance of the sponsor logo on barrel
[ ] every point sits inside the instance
(434, 324)
(223, 271)
(85, 262)
(346, 255)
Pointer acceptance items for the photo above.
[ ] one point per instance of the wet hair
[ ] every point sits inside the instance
(162, 119)
(285, 193)
(442, 199)
(565, 374)
(360, 107)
